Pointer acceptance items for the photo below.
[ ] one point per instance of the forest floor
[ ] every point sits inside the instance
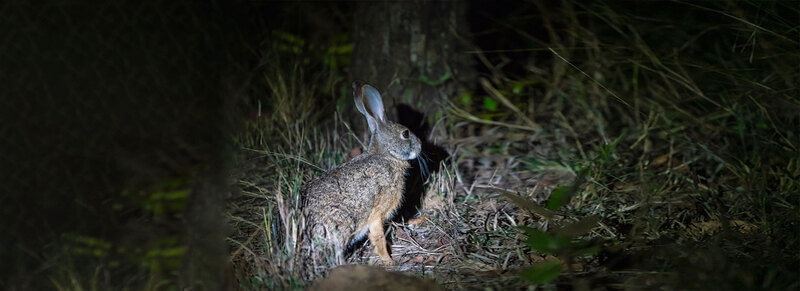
(468, 237)
(606, 160)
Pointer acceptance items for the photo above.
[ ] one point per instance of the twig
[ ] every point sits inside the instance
(465, 115)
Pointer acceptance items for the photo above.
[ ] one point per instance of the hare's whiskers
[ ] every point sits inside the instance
(423, 165)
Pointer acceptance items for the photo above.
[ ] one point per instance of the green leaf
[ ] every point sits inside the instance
(407, 94)
(441, 80)
(527, 204)
(170, 195)
(527, 230)
(466, 98)
(537, 166)
(587, 251)
(546, 243)
(517, 88)
(340, 49)
(534, 163)
(558, 198)
(542, 273)
(607, 150)
(290, 38)
(489, 116)
(87, 240)
(580, 227)
(489, 104)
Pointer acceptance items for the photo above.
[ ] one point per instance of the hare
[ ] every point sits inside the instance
(360, 195)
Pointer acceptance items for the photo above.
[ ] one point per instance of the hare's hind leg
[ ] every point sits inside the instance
(377, 238)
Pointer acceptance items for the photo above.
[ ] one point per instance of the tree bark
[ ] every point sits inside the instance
(206, 253)
(413, 52)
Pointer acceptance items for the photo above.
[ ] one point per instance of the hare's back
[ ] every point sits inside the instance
(348, 191)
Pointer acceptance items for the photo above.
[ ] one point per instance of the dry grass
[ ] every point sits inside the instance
(681, 136)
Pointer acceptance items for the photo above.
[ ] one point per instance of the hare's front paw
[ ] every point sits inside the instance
(417, 221)
(387, 262)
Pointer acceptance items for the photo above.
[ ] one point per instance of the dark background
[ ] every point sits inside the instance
(102, 98)
(103, 101)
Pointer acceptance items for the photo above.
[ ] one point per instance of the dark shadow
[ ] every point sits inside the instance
(419, 173)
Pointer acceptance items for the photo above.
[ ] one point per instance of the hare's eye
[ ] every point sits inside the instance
(405, 133)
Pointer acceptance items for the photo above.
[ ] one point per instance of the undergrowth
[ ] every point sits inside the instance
(679, 134)
(290, 136)
(684, 131)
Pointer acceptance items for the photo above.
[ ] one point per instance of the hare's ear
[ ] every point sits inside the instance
(374, 102)
(358, 92)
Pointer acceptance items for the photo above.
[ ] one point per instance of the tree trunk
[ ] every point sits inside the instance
(413, 52)
(206, 253)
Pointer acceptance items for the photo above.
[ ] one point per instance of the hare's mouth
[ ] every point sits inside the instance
(407, 155)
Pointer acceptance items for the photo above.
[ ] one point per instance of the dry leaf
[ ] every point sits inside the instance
(354, 152)
(699, 229)
(659, 160)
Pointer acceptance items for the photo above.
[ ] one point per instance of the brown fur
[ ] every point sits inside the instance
(359, 196)
(365, 170)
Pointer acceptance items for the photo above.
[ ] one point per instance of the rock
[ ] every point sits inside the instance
(359, 277)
